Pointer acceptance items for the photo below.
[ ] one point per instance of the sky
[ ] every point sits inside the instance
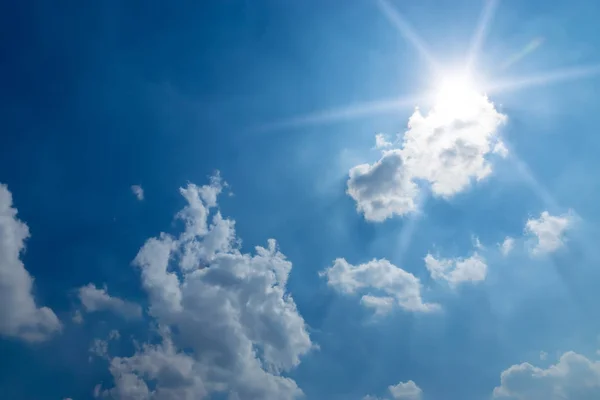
(244, 200)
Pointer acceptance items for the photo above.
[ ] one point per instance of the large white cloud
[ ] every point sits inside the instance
(447, 149)
(229, 310)
(381, 284)
(94, 299)
(573, 377)
(19, 315)
(402, 391)
(548, 231)
(457, 270)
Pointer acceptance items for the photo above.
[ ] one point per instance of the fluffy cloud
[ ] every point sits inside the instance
(138, 191)
(384, 188)
(573, 377)
(229, 310)
(94, 299)
(457, 270)
(391, 285)
(447, 149)
(402, 391)
(548, 232)
(19, 315)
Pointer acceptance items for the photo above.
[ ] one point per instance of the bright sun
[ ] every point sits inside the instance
(456, 96)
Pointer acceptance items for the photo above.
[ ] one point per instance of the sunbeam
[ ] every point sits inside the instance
(481, 31)
(543, 78)
(407, 32)
(410, 225)
(527, 50)
(343, 113)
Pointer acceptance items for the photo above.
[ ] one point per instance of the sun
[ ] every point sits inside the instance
(457, 96)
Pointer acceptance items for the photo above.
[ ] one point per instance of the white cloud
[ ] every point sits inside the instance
(573, 377)
(19, 315)
(229, 310)
(507, 246)
(447, 150)
(384, 188)
(548, 231)
(138, 191)
(543, 355)
(406, 391)
(402, 391)
(477, 243)
(395, 285)
(381, 141)
(114, 335)
(94, 299)
(457, 270)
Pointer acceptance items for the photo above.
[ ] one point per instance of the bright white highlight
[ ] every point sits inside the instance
(457, 97)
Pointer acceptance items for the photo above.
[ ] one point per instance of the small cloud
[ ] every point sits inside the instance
(457, 270)
(402, 391)
(543, 355)
(138, 191)
(477, 243)
(406, 391)
(507, 245)
(94, 299)
(97, 390)
(548, 232)
(99, 348)
(381, 141)
(114, 335)
(400, 288)
(500, 149)
(78, 317)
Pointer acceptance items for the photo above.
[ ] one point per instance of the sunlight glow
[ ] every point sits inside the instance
(457, 97)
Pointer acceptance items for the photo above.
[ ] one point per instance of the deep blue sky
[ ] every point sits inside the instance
(98, 96)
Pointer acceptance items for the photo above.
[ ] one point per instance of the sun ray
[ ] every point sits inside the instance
(407, 32)
(527, 50)
(410, 225)
(481, 31)
(543, 78)
(344, 113)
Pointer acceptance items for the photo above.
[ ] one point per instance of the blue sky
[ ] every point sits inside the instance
(445, 252)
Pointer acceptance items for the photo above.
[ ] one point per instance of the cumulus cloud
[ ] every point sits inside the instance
(402, 391)
(228, 310)
(94, 299)
(447, 149)
(20, 317)
(138, 191)
(457, 270)
(548, 232)
(507, 246)
(573, 377)
(384, 188)
(382, 285)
